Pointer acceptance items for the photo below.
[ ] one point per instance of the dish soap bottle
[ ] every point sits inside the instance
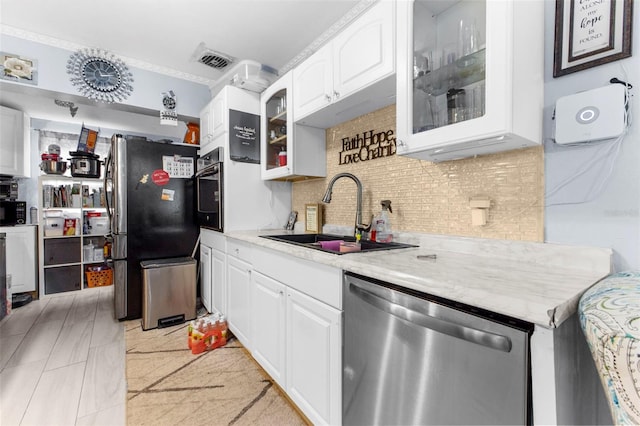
(381, 228)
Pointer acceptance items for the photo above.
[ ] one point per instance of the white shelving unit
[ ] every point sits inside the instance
(63, 260)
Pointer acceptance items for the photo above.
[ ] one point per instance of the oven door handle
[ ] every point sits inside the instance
(211, 170)
(481, 337)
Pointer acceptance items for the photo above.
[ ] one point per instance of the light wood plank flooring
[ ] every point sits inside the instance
(62, 362)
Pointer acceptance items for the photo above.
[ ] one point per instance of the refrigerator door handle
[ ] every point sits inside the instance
(105, 185)
(480, 337)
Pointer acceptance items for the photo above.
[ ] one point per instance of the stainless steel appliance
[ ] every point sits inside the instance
(85, 164)
(169, 292)
(3, 275)
(8, 189)
(414, 359)
(209, 187)
(13, 213)
(152, 212)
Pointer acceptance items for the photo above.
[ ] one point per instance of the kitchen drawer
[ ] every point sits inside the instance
(213, 239)
(321, 282)
(59, 251)
(239, 249)
(64, 278)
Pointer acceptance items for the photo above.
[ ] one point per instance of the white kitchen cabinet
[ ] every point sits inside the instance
(329, 85)
(206, 125)
(268, 321)
(14, 142)
(313, 83)
(239, 291)
(205, 277)
(314, 359)
(218, 281)
(312, 330)
(22, 267)
(213, 275)
(469, 77)
(289, 151)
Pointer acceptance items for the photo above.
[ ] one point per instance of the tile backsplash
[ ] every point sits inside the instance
(432, 197)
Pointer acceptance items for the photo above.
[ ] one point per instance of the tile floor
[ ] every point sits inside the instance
(62, 362)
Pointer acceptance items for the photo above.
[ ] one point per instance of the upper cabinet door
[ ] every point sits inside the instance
(206, 125)
(219, 114)
(364, 51)
(14, 142)
(313, 83)
(469, 77)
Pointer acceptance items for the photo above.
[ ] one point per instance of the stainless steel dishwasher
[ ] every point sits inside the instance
(415, 359)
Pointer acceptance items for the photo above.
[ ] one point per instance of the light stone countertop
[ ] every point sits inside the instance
(537, 282)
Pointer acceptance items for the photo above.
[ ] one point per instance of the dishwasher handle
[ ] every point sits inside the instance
(484, 338)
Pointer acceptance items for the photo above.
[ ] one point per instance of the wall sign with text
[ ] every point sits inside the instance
(591, 33)
(367, 146)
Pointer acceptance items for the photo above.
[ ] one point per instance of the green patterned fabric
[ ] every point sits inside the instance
(610, 318)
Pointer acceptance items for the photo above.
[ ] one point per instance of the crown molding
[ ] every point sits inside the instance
(131, 62)
(329, 34)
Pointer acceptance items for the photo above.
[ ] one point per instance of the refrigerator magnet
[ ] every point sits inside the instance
(167, 194)
(160, 177)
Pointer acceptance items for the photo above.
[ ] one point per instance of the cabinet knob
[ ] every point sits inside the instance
(336, 94)
(401, 143)
(281, 293)
(328, 98)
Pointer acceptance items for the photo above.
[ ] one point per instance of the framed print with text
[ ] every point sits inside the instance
(591, 33)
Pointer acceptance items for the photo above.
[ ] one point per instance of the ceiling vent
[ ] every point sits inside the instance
(211, 58)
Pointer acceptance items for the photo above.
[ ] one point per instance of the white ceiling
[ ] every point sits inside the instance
(166, 33)
(162, 36)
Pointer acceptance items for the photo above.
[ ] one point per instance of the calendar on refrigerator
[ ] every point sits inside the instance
(177, 166)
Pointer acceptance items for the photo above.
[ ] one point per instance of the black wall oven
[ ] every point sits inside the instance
(210, 188)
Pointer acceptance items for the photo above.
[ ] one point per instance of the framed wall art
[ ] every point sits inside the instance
(17, 68)
(591, 33)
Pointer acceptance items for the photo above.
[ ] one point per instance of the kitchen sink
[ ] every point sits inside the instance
(315, 241)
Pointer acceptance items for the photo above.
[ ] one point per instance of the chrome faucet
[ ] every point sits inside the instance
(359, 226)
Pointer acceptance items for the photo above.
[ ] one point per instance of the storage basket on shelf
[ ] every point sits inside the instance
(99, 278)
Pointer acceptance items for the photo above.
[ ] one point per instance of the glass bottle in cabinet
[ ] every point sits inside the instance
(289, 151)
(469, 77)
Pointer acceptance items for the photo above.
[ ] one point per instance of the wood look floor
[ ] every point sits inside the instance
(62, 362)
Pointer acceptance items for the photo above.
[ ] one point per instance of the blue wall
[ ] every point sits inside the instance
(147, 86)
(598, 208)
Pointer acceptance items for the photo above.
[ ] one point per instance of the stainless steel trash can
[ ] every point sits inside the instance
(169, 291)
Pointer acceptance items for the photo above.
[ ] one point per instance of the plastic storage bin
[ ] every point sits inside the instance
(99, 225)
(53, 226)
(168, 291)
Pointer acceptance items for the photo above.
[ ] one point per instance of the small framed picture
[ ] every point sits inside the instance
(18, 68)
(313, 218)
(589, 34)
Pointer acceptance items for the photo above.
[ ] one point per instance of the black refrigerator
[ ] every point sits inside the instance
(151, 211)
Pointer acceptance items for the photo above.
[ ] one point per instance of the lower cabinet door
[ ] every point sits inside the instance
(21, 259)
(218, 281)
(239, 299)
(314, 357)
(205, 276)
(268, 321)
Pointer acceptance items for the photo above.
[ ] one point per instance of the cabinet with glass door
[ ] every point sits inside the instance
(289, 151)
(470, 77)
